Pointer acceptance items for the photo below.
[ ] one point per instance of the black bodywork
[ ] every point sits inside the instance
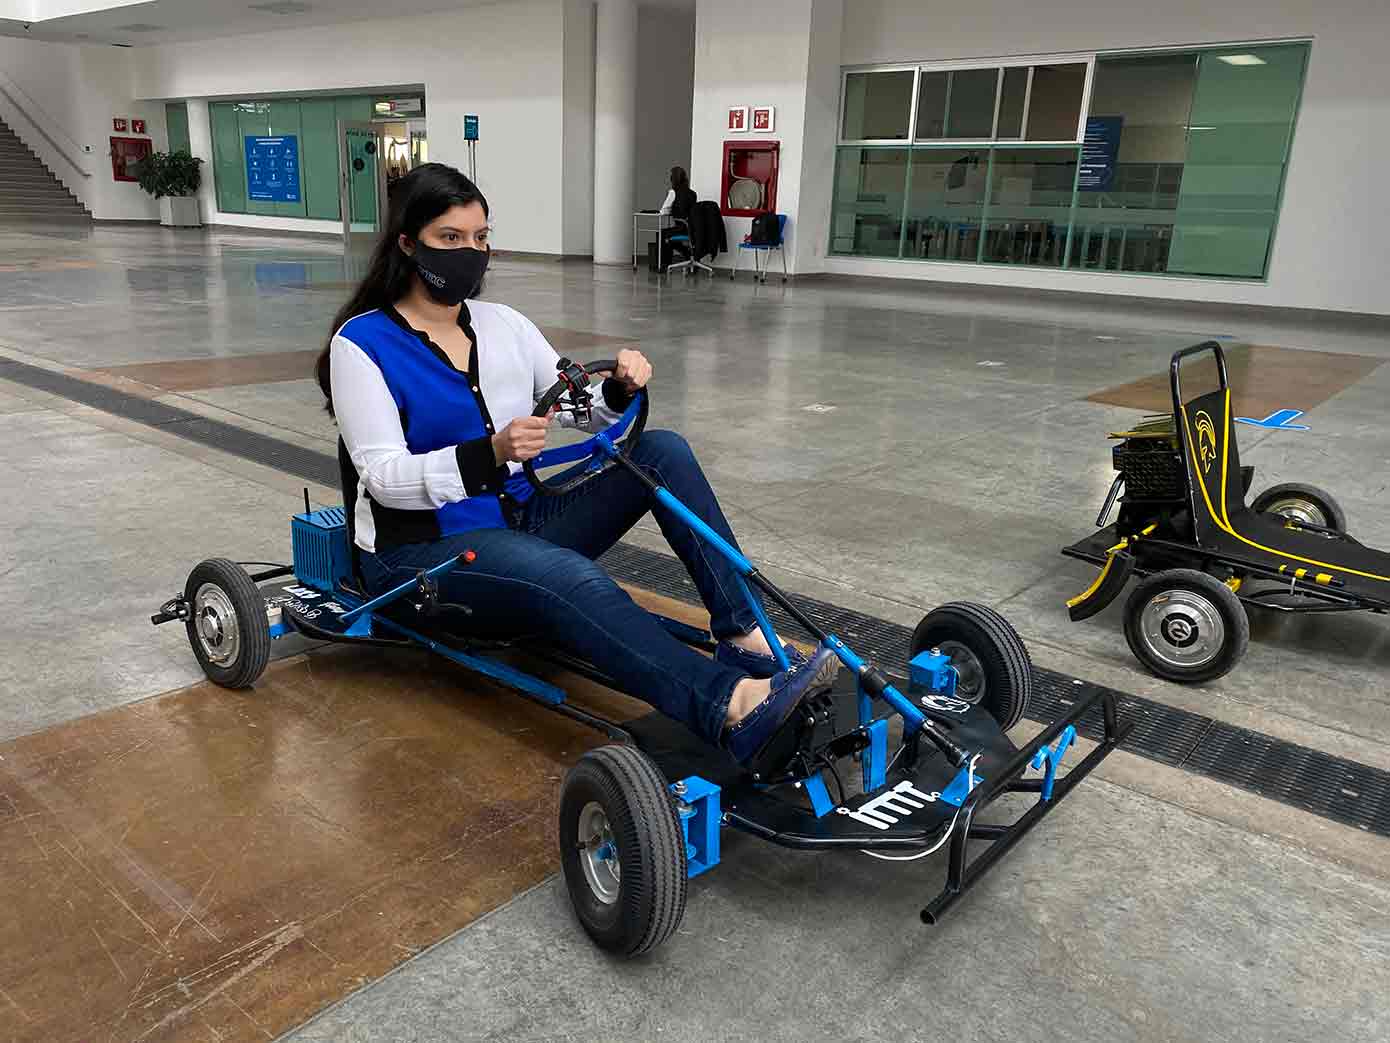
(1181, 491)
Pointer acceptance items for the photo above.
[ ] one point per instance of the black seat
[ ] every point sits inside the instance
(1225, 523)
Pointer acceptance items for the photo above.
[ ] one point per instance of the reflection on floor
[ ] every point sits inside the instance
(271, 367)
(1262, 380)
(231, 862)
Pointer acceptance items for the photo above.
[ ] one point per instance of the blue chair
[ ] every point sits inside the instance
(763, 249)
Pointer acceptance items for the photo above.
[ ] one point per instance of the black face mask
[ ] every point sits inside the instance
(450, 276)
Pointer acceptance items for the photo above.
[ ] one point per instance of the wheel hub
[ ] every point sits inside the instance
(1182, 628)
(970, 672)
(216, 624)
(598, 854)
(1296, 508)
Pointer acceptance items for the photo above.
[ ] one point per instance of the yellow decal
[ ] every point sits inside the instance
(1206, 440)
(1222, 517)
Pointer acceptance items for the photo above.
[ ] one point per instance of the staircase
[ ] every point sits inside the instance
(28, 189)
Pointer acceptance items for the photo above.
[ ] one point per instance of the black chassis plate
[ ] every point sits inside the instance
(781, 813)
(307, 609)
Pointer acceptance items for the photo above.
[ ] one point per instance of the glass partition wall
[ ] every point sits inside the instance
(1138, 162)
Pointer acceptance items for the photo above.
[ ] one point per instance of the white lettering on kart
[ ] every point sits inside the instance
(899, 802)
(944, 703)
(289, 601)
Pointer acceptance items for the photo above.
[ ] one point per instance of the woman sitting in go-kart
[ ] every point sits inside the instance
(433, 393)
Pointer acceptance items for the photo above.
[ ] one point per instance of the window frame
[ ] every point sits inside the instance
(846, 73)
(1088, 59)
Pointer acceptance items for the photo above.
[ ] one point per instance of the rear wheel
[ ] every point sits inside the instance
(622, 850)
(991, 661)
(226, 623)
(1186, 626)
(1302, 503)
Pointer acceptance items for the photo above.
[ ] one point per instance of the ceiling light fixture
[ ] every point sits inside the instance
(1241, 59)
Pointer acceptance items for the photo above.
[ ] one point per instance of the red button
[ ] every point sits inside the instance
(470, 556)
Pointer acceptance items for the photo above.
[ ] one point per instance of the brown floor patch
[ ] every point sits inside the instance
(270, 367)
(576, 342)
(221, 865)
(277, 366)
(1262, 380)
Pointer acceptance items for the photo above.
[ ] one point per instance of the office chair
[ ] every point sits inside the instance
(691, 261)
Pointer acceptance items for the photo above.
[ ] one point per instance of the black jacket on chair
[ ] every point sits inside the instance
(707, 230)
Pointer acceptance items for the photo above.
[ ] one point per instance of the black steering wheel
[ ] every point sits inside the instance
(573, 394)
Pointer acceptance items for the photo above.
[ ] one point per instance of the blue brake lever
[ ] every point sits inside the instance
(1048, 758)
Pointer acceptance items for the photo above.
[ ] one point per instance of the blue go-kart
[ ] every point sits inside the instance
(896, 770)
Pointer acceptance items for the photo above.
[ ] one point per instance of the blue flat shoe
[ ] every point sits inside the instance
(752, 735)
(755, 664)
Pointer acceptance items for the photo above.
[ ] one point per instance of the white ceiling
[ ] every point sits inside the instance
(148, 22)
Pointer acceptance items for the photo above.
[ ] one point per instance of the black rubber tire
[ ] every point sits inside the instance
(1331, 510)
(1233, 617)
(253, 631)
(1003, 657)
(641, 814)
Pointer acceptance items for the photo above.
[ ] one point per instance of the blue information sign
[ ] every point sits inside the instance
(470, 127)
(1099, 150)
(272, 169)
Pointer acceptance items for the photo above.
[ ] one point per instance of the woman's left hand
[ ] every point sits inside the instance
(633, 369)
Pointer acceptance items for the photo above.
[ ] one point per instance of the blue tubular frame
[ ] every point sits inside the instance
(537, 689)
(765, 625)
(913, 719)
(396, 593)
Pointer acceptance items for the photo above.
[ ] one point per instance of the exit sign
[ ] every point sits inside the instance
(470, 127)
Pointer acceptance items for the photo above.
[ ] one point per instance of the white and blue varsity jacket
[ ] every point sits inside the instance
(416, 447)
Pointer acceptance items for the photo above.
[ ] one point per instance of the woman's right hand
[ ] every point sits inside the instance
(521, 440)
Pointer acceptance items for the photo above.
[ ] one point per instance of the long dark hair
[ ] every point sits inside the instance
(416, 200)
(679, 179)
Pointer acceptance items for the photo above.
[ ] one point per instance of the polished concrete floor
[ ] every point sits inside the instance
(878, 446)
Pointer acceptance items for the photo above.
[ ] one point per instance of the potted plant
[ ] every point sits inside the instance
(173, 178)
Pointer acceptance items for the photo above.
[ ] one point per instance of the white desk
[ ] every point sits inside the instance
(662, 222)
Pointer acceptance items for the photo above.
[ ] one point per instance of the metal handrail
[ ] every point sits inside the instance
(38, 126)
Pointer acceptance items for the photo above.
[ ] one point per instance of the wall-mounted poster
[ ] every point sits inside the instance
(272, 169)
(1099, 151)
(764, 119)
(738, 120)
(119, 124)
(137, 126)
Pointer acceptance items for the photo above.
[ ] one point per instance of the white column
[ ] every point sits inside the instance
(200, 145)
(615, 129)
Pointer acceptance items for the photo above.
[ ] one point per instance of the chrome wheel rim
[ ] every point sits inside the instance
(598, 854)
(970, 672)
(1296, 508)
(1182, 628)
(215, 623)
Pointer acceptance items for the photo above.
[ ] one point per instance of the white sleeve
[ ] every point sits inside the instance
(370, 424)
(543, 359)
(669, 201)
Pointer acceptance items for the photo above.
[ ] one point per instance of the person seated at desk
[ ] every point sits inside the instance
(679, 203)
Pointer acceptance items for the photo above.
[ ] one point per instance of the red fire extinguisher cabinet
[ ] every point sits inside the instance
(750, 178)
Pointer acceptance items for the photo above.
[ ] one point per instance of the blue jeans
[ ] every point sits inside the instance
(540, 579)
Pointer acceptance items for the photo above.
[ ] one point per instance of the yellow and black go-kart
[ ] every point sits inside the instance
(1184, 526)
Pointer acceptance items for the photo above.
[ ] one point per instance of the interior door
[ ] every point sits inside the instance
(363, 188)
